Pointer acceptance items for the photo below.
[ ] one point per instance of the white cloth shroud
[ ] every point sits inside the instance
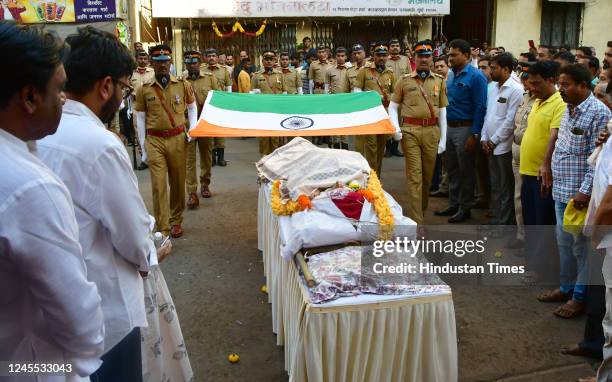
(325, 224)
(307, 167)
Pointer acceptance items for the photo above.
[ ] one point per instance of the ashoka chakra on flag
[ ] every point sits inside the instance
(267, 115)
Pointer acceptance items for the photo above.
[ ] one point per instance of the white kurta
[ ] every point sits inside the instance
(112, 217)
(48, 309)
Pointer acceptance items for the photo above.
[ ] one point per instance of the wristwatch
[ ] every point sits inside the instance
(477, 136)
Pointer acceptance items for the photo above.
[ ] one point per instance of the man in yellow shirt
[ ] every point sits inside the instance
(244, 78)
(537, 148)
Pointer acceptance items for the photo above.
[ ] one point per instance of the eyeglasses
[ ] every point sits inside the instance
(127, 89)
(268, 58)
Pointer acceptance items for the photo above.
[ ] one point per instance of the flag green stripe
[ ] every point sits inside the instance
(296, 104)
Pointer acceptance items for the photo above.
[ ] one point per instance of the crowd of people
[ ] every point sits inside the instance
(524, 137)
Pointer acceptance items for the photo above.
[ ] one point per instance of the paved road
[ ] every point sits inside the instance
(215, 273)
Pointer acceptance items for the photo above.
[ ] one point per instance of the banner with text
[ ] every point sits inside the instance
(296, 8)
(58, 11)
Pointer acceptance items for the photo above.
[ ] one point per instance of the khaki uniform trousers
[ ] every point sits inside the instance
(372, 147)
(167, 167)
(420, 145)
(204, 146)
(268, 144)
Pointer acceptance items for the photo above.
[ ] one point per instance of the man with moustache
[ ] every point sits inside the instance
(160, 106)
(224, 83)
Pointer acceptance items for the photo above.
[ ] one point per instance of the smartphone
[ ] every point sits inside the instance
(531, 44)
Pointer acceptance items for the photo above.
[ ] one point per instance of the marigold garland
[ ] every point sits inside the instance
(373, 194)
(289, 208)
(238, 28)
(381, 206)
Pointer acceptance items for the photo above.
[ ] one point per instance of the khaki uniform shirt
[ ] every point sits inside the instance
(352, 74)
(176, 96)
(138, 79)
(412, 103)
(272, 83)
(400, 66)
(201, 86)
(382, 83)
(338, 80)
(316, 73)
(221, 73)
(293, 81)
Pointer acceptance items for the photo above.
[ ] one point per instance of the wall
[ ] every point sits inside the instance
(594, 31)
(515, 22)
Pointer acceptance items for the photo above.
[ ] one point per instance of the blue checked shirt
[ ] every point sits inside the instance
(575, 142)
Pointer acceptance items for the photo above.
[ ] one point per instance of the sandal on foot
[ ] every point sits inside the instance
(554, 296)
(570, 309)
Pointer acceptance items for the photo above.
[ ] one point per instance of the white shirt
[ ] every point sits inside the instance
(502, 104)
(112, 218)
(42, 272)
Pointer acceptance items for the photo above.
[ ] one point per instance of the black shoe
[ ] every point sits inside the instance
(214, 158)
(220, 160)
(460, 217)
(449, 211)
(438, 193)
(344, 146)
(395, 150)
(336, 146)
(142, 166)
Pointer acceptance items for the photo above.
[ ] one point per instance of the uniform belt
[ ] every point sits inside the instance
(319, 85)
(166, 133)
(459, 123)
(421, 121)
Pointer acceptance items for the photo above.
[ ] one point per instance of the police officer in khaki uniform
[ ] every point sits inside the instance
(202, 81)
(293, 81)
(160, 107)
(336, 82)
(358, 57)
(224, 82)
(141, 75)
(421, 99)
(316, 72)
(400, 65)
(380, 79)
(268, 81)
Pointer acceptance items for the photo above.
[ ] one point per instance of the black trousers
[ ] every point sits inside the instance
(593, 340)
(122, 363)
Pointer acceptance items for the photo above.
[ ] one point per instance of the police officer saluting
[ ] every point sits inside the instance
(160, 106)
(379, 78)
(268, 81)
(421, 99)
(201, 82)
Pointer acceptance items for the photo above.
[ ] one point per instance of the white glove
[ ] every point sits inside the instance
(255, 91)
(443, 128)
(393, 116)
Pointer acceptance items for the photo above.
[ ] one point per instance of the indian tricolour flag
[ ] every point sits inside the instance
(267, 115)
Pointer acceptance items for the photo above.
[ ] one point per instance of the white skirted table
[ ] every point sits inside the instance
(362, 338)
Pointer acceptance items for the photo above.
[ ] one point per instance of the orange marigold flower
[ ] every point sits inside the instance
(367, 194)
(304, 202)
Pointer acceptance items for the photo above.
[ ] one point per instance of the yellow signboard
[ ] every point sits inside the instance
(38, 11)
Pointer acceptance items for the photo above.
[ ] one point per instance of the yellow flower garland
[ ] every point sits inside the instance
(380, 204)
(237, 27)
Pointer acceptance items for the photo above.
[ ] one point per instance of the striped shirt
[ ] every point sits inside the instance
(576, 141)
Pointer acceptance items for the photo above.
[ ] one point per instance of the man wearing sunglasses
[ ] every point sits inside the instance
(160, 106)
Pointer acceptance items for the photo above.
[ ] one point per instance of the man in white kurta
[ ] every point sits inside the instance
(112, 218)
(49, 312)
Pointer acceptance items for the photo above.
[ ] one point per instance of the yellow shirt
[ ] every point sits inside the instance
(543, 117)
(244, 82)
